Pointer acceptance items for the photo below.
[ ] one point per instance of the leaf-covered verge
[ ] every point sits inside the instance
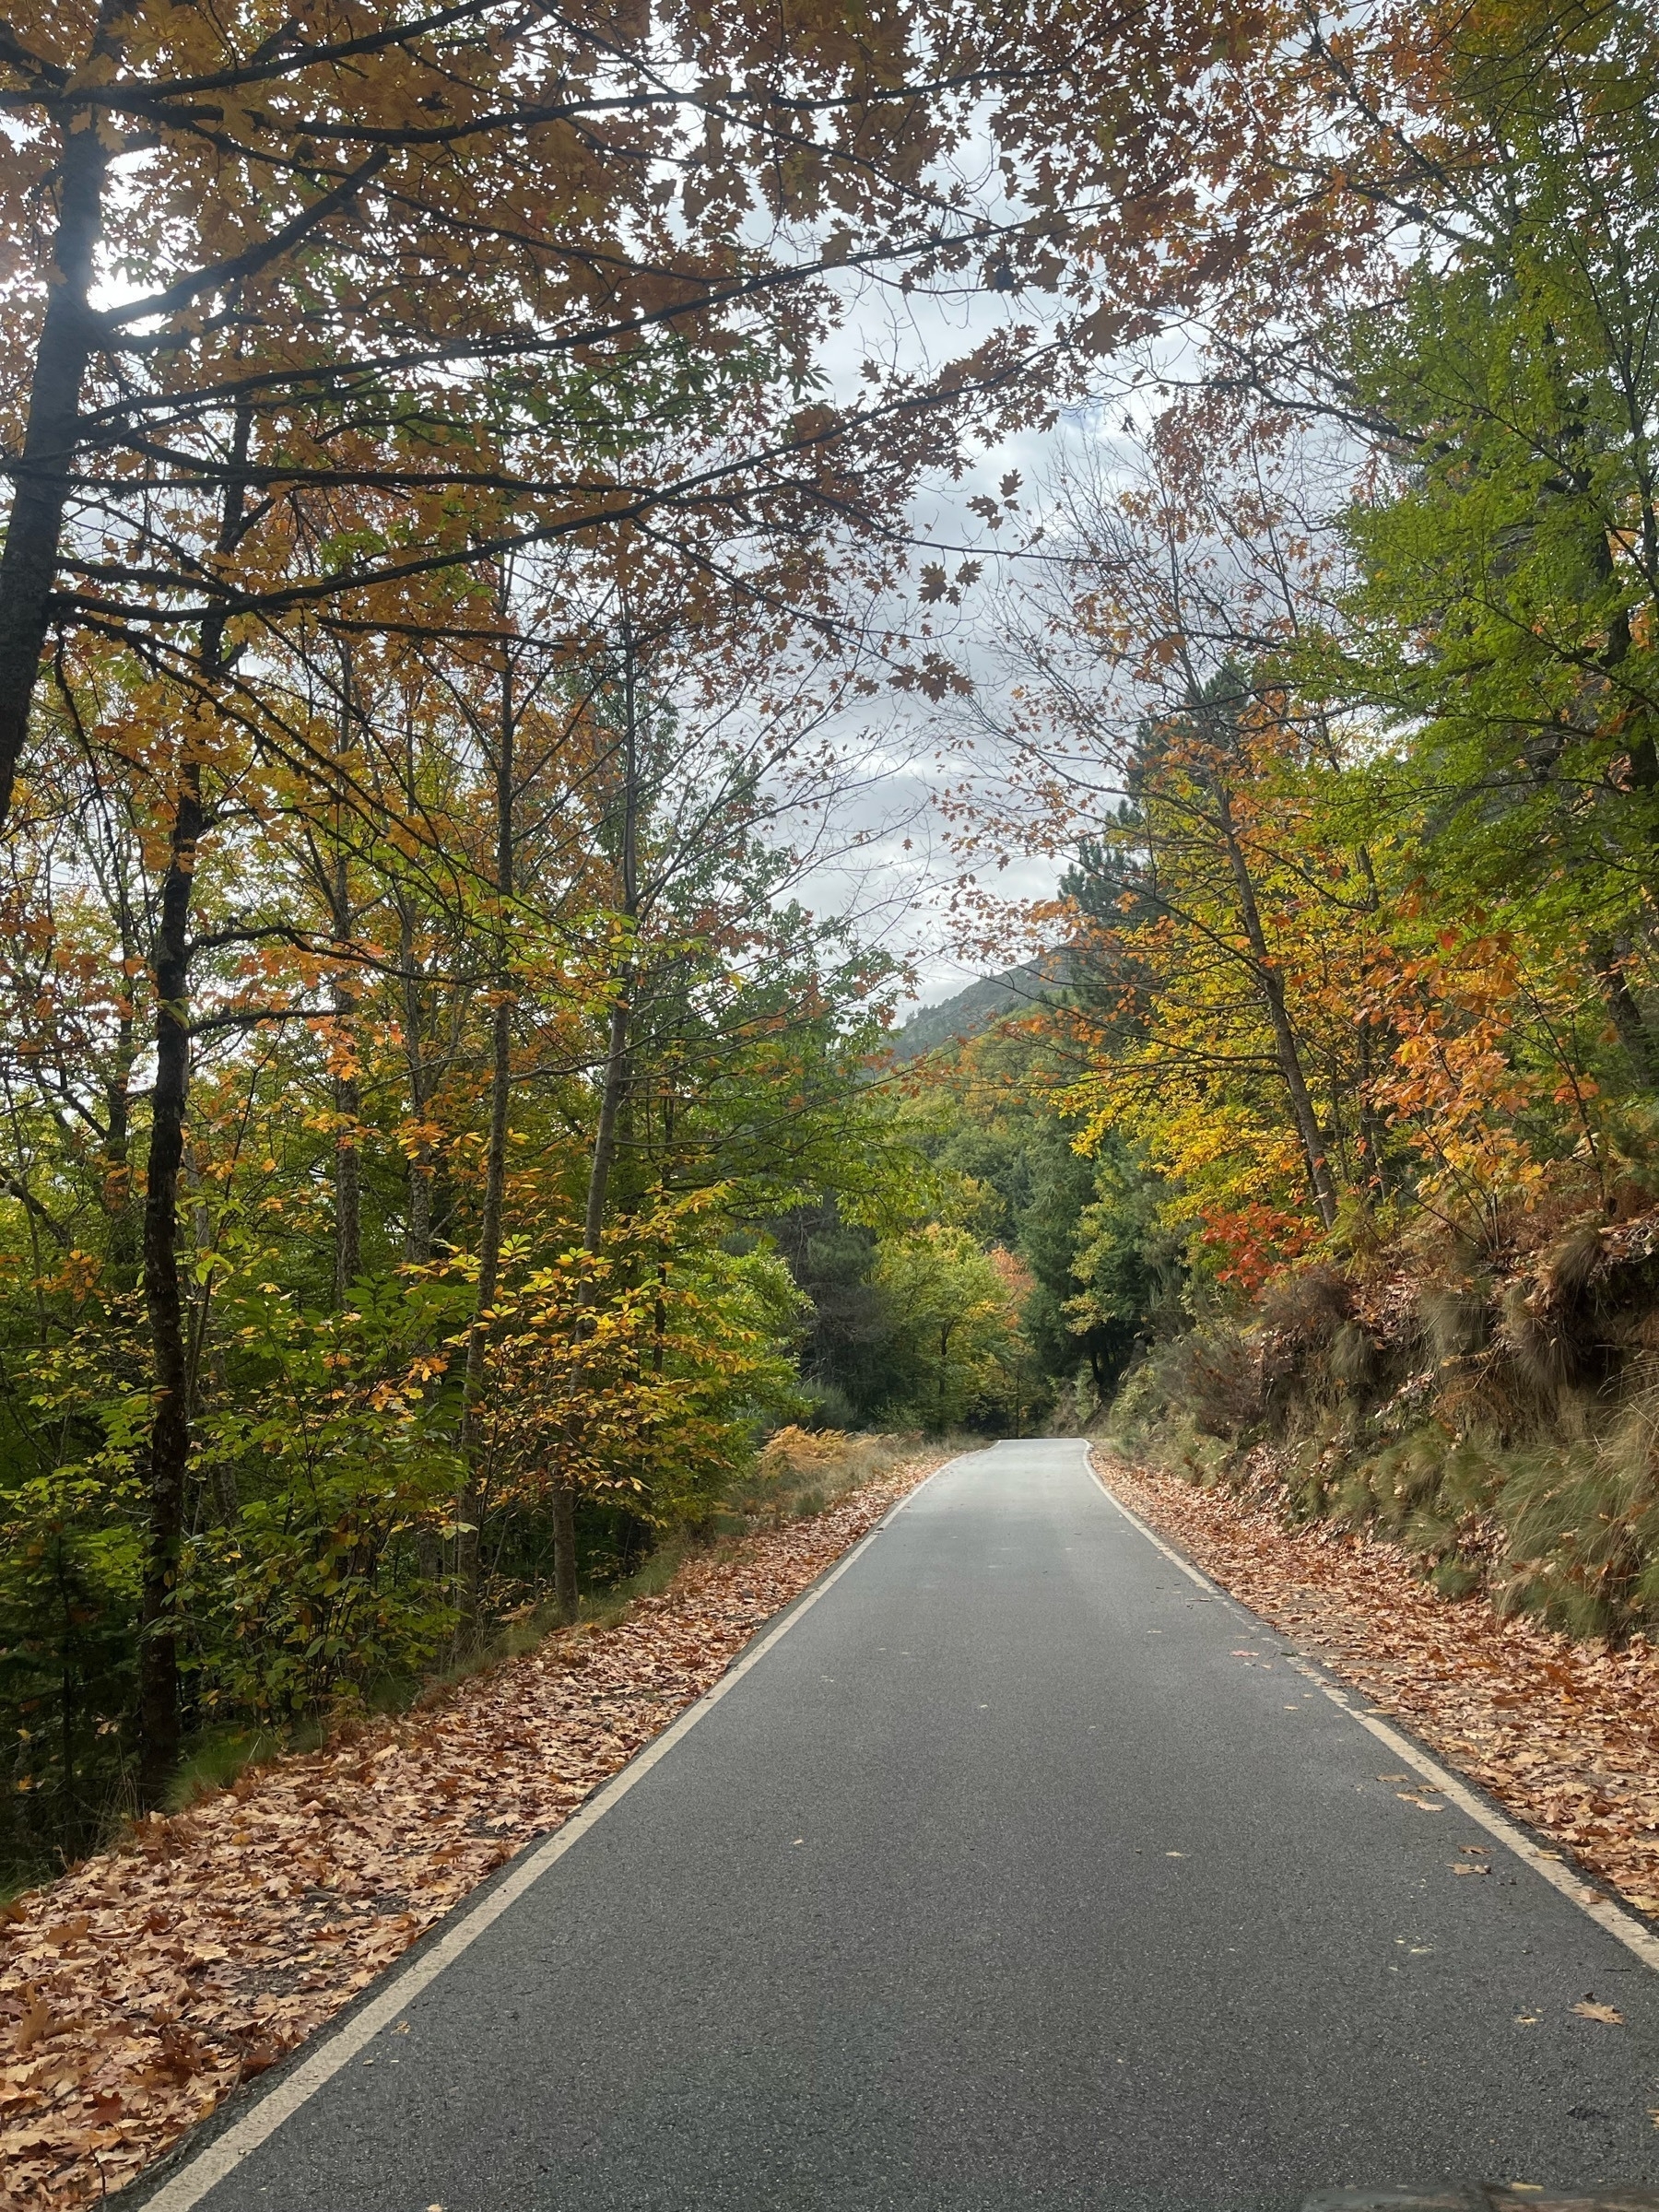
(137, 1992)
(1561, 1732)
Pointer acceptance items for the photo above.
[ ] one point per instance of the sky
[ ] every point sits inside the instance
(900, 884)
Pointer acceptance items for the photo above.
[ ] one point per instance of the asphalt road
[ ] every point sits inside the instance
(1018, 1873)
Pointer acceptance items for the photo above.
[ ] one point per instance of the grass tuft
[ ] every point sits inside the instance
(216, 1760)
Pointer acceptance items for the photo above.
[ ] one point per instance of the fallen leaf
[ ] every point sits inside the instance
(1587, 2009)
(37, 2024)
(179, 2054)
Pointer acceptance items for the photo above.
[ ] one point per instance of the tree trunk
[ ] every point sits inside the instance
(467, 1553)
(613, 1091)
(1372, 1132)
(347, 1178)
(417, 1227)
(567, 1597)
(490, 1270)
(173, 1367)
(1607, 959)
(1302, 1104)
(347, 1091)
(68, 338)
(170, 1424)
(1271, 986)
(611, 1095)
(122, 1242)
(348, 1108)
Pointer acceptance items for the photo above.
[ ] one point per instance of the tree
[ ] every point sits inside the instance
(955, 1324)
(379, 286)
(1221, 909)
(368, 1440)
(847, 1359)
(1463, 264)
(1510, 546)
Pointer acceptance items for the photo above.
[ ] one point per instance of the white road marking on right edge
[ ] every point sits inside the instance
(1611, 1918)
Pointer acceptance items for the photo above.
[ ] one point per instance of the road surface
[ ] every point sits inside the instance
(1018, 1873)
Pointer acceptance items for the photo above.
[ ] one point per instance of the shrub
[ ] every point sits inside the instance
(69, 1571)
(1524, 1458)
(1215, 1377)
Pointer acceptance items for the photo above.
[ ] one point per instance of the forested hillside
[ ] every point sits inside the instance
(444, 590)
(1337, 690)
(969, 1013)
(453, 593)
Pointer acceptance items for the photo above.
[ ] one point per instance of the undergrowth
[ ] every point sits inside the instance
(799, 1473)
(1494, 1413)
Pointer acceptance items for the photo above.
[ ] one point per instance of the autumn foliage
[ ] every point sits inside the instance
(1330, 686)
(447, 561)
(462, 537)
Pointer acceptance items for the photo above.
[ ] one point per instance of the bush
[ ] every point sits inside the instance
(310, 1599)
(1523, 1458)
(1215, 1377)
(802, 1471)
(69, 1572)
(795, 1451)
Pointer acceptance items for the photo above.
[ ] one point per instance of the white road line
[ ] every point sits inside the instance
(226, 2152)
(1606, 1915)
(1157, 1542)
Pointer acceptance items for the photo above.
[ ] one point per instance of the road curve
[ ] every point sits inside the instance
(1018, 1874)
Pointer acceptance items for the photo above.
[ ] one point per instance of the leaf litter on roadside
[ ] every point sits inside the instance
(138, 1991)
(1564, 1734)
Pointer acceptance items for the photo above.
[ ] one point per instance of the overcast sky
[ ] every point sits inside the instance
(900, 884)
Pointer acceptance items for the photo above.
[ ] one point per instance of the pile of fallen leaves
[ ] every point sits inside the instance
(142, 1987)
(1565, 1735)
